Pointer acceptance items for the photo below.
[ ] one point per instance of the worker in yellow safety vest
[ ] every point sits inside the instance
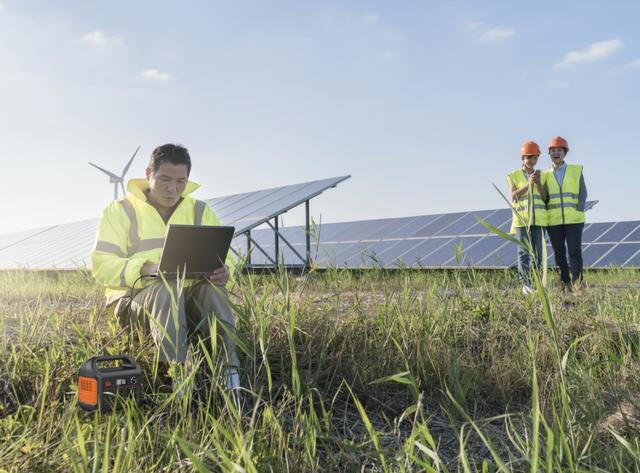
(565, 212)
(126, 255)
(528, 196)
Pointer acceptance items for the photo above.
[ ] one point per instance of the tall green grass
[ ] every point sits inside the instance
(342, 371)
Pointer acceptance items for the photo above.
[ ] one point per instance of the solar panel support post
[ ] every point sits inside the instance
(276, 234)
(257, 245)
(307, 234)
(248, 235)
(286, 242)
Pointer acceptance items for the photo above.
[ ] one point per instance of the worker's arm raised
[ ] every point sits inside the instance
(542, 188)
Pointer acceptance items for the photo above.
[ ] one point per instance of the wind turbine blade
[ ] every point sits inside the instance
(105, 171)
(124, 192)
(126, 168)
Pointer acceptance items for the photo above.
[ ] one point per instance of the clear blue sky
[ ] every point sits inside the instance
(425, 103)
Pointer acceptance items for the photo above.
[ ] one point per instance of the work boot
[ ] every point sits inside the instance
(565, 287)
(233, 387)
(231, 378)
(577, 287)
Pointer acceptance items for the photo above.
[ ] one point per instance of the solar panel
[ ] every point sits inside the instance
(347, 250)
(419, 241)
(484, 248)
(328, 231)
(369, 256)
(504, 257)
(498, 218)
(594, 231)
(290, 257)
(251, 209)
(61, 247)
(261, 237)
(328, 254)
(465, 223)
(257, 257)
(590, 204)
(9, 239)
(417, 255)
(254, 207)
(634, 261)
(619, 255)
(634, 236)
(412, 224)
(392, 255)
(383, 230)
(618, 231)
(357, 230)
(551, 260)
(438, 224)
(592, 253)
(447, 252)
(360, 257)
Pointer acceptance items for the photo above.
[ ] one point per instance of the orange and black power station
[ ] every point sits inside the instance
(104, 379)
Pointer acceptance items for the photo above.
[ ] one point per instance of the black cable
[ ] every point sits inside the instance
(132, 288)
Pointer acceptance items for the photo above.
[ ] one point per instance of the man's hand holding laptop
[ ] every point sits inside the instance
(149, 269)
(219, 277)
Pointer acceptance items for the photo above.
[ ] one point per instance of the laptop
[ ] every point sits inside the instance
(194, 250)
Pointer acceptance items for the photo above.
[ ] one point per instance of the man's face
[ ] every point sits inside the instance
(530, 160)
(557, 155)
(167, 184)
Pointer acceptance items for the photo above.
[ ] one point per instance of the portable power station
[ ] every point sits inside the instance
(100, 383)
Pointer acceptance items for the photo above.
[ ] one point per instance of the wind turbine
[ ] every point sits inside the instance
(114, 178)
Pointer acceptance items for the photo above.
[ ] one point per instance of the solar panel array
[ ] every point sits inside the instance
(451, 240)
(249, 210)
(68, 246)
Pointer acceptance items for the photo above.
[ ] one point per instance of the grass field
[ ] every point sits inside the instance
(374, 371)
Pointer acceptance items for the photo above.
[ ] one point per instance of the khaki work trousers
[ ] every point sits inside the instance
(171, 324)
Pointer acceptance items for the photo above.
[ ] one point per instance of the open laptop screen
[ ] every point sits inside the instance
(195, 249)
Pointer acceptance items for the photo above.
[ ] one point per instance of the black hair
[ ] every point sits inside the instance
(170, 153)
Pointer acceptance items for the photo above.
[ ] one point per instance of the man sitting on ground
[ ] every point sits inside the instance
(128, 248)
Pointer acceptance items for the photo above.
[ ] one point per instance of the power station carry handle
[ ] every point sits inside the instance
(127, 361)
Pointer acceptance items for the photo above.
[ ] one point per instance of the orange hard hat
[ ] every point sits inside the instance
(530, 148)
(559, 142)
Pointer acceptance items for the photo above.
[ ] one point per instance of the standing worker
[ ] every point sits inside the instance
(565, 212)
(528, 196)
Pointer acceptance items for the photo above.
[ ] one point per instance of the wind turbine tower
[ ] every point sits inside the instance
(114, 178)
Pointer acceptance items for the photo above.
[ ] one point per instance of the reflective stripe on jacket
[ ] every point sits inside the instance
(132, 232)
(531, 200)
(563, 204)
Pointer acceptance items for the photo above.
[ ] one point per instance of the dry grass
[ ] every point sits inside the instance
(374, 371)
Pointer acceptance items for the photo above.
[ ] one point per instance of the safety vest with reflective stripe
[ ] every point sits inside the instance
(531, 200)
(562, 207)
(132, 232)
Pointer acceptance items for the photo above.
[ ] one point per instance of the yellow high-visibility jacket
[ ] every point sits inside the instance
(521, 216)
(562, 207)
(132, 233)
